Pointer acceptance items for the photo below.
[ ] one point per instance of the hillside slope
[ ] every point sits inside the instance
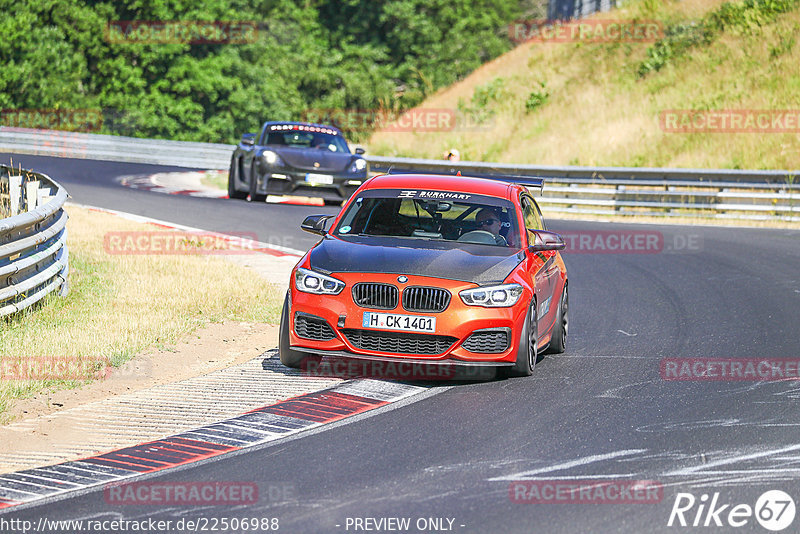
(604, 103)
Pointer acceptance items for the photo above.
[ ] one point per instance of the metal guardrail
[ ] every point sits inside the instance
(115, 148)
(736, 194)
(707, 193)
(34, 260)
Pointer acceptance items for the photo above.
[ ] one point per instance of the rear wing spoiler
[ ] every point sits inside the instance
(536, 182)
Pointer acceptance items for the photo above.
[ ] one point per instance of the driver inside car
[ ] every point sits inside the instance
(489, 221)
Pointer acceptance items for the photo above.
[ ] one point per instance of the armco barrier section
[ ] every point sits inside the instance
(34, 260)
(735, 194)
(115, 148)
(708, 193)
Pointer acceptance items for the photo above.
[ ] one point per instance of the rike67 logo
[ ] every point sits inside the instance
(774, 510)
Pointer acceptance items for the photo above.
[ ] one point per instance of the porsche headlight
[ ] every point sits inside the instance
(270, 157)
(501, 296)
(358, 165)
(312, 282)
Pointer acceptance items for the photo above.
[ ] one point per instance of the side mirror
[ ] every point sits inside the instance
(315, 224)
(544, 240)
(249, 139)
(359, 151)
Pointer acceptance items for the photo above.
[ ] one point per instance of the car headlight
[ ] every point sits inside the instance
(312, 282)
(358, 165)
(492, 296)
(270, 157)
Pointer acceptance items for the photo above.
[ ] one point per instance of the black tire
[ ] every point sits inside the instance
(233, 173)
(289, 358)
(255, 197)
(558, 341)
(527, 352)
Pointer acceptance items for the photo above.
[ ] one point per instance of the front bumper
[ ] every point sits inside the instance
(334, 326)
(294, 182)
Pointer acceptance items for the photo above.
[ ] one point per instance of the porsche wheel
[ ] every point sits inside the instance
(233, 174)
(254, 195)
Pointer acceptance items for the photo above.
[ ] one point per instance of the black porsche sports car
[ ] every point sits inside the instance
(295, 158)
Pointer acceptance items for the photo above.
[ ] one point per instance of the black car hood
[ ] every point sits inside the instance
(305, 158)
(481, 264)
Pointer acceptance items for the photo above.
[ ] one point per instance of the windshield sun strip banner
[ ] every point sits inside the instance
(301, 128)
(436, 194)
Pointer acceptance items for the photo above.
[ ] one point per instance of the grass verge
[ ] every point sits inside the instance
(118, 306)
(215, 179)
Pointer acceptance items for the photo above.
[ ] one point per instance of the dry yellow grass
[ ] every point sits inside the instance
(120, 305)
(599, 112)
(216, 180)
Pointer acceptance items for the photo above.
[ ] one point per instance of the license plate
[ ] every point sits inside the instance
(394, 321)
(325, 179)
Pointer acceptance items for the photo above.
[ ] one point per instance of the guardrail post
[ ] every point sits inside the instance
(63, 257)
(31, 194)
(618, 187)
(14, 190)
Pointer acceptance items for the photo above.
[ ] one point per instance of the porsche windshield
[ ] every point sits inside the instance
(455, 217)
(302, 139)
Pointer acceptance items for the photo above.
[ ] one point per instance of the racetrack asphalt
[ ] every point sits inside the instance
(600, 411)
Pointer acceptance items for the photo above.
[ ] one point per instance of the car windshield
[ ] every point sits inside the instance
(432, 215)
(299, 139)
